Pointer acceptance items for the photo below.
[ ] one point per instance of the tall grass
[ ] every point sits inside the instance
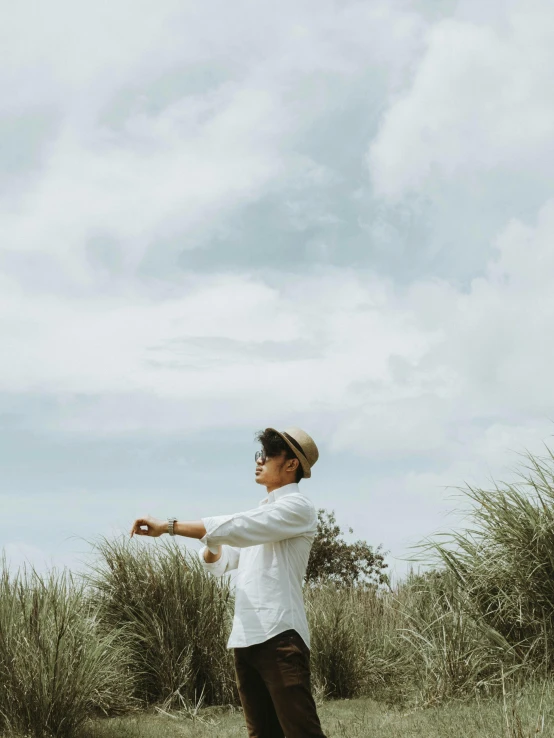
(355, 649)
(417, 644)
(56, 668)
(152, 625)
(484, 616)
(452, 652)
(504, 563)
(178, 616)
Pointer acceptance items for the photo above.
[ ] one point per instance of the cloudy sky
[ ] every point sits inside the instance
(216, 217)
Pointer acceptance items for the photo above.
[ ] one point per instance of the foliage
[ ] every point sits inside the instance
(504, 563)
(178, 616)
(332, 560)
(452, 653)
(336, 661)
(415, 644)
(56, 668)
(154, 625)
(348, 659)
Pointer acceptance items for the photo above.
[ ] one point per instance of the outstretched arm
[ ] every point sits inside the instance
(291, 516)
(149, 526)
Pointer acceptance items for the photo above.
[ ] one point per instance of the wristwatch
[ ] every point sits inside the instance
(170, 522)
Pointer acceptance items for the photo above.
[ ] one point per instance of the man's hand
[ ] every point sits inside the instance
(154, 527)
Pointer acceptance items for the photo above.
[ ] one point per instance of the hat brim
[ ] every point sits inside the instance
(304, 463)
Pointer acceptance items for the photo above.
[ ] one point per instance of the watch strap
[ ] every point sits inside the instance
(170, 523)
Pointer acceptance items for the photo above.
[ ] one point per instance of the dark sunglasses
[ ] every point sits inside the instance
(260, 457)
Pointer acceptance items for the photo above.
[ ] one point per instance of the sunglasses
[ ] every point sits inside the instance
(260, 457)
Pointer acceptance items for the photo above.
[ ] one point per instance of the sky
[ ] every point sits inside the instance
(218, 217)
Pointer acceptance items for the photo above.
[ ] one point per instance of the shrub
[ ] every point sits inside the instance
(452, 652)
(333, 561)
(56, 668)
(505, 563)
(352, 651)
(179, 618)
(416, 644)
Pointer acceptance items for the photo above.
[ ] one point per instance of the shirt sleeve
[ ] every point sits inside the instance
(286, 518)
(228, 561)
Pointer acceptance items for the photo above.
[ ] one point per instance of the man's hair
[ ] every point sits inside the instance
(273, 445)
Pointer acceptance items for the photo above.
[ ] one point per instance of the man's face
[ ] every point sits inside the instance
(269, 470)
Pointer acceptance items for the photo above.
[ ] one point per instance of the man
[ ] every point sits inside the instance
(269, 546)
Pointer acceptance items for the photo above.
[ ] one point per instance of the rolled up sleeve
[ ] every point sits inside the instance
(228, 561)
(269, 523)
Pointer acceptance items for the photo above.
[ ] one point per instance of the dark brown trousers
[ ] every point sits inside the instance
(274, 685)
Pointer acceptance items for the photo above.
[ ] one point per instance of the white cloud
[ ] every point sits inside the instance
(480, 99)
(157, 180)
(489, 364)
(402, 371)
(438, 379)
(163, 175)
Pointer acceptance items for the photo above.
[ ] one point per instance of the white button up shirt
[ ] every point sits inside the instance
(270, 547)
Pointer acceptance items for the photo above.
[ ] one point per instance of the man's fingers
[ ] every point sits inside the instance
(136, 529)
(147, 526)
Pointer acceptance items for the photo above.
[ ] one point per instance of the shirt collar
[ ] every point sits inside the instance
(288, 489)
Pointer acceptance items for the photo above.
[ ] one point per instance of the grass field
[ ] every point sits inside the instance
(145, 632)
(523, 716)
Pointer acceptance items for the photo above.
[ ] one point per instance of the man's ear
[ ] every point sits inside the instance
(295, 464)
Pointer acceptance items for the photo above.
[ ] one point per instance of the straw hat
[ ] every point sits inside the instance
(302, 445)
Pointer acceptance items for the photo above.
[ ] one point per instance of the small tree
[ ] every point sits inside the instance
(345, 564)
